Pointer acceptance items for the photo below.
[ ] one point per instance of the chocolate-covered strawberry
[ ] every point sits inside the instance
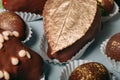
(106, 6)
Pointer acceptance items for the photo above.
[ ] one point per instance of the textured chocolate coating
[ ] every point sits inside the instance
(70, 51)
(113, 47)
(27, 68)
(12, 22)
(33, 6)
(90, 71)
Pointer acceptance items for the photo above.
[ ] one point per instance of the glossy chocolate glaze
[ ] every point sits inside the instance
(27, 68)
(90, 71)
(12, 22)
(113, 47)
(33, 6)
(70, 51)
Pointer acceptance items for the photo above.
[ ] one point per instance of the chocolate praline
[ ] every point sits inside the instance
(113, 47)
(33, 6)
(68, 35)
(12, 22)
(16, 66)
(90, 71)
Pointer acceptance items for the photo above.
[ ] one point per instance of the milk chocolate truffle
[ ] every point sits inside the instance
(33, 6)
(12, 22)
(113, 47)
(69, 26)
(18, 62)
(90, 71)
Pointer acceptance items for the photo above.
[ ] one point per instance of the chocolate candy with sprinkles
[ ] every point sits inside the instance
(113, 47)
(90, 71)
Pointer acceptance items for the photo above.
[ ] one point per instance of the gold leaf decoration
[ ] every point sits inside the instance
(66, 21)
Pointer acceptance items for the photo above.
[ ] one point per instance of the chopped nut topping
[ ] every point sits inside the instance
(6, 75)
(6, 37)
(1, 38)
(1, 45)
(28, 55)
(15, 33)
(1, 75)
(6, 33)
(14, 61)
(22, 53)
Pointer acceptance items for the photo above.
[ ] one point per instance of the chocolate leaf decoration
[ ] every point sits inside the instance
(66, 21)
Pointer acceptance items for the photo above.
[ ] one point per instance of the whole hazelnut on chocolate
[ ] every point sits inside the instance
(90, 71)
(106, 6)
(33, 6)
(12, 22)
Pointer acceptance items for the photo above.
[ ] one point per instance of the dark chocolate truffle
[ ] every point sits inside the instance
(90, 71)
(113, 47)
(33, 6)
(18, 62)
(12, 22)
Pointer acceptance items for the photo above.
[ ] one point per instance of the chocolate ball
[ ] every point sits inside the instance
(90, 71)
(18, 62)
(33, 6)
(12, 22)
(113, 47)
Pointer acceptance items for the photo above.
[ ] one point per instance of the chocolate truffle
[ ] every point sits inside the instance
(113, 47)
(33, 6)
(12, 22)
(69, 26)
(18, 62)
(90, 71)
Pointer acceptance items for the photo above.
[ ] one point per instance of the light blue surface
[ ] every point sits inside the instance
(52, 71)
